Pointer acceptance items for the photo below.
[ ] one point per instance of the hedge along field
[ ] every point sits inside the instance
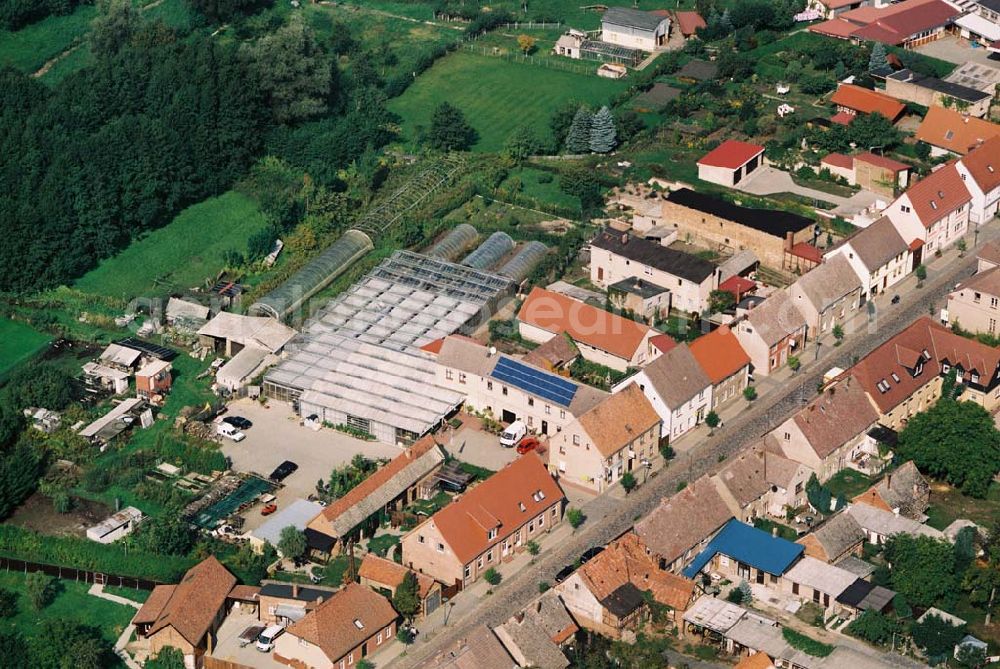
(29, 48)
(20, 342)
(179, 255)
(497, 95)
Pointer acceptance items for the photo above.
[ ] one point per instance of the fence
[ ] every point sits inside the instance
(74, 574)
(531, 25)
(551, 63)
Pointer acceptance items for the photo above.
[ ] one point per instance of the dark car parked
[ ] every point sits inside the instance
(239, 422)
(565, 573)
(590, 554)
(283, 471)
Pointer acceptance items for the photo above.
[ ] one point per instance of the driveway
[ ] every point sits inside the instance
(478, 448)
(228, 648)
(769, 180)
(958, 51)
(277, 435)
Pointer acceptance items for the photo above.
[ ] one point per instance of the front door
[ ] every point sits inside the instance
(545, 427)
(600, 274)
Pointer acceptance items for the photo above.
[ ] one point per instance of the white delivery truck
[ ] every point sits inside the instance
(265, 642)
(513, 434)
(230, 431)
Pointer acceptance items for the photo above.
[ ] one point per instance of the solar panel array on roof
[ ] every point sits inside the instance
(155, 350)
(534, 381)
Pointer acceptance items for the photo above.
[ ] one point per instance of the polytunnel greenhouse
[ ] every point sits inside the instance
(523, 264)
(460, 239)
(314, 277)
(490, 252)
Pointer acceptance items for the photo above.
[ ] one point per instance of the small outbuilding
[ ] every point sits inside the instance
(730, 162)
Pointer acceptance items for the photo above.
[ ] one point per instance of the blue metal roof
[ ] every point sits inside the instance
(543, 384)
(748, 545)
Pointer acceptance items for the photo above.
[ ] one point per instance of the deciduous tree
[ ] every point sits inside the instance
(406, 599)
(292, 542)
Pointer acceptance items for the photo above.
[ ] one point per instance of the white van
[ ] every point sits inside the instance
(230, 431)
(513, 434)
(265, 642)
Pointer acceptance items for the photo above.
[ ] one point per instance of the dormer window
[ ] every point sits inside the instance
(360, 625)
(975, 378)
(927, 354)
(919, 369)
(492, 534)
(895, 377)
(522, 507)
(945, 367)
(933, 204)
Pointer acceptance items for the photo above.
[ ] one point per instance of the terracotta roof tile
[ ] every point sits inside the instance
(603, 330)
(391, 574)
(983, 164)
(990, 253)
(895, 24)
(689, 22)
(865, 101)
(938, 194)
(676, 376)
(834, 28)
(881, 161)
(332, 626)
(195, 601)
(663, 343)
(719, 353)
(756, 661)
(619, 420)
(838, 160)
(626, 560)
(153, 606)
(498, 497)
(731, 154)
(842, 118)
(954, 131)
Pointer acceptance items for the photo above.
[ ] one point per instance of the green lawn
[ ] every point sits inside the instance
(20, 342)
(848, 483)
(71, 603)
(30, 47)
(948, 504)
(181, 254)
(543, 186)
(497, 95)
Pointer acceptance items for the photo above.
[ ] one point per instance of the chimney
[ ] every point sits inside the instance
(538, 604)
(888, 481)
(774, 532)
(789, 236)
(295, 590)
(624, 238)
(519, 617)
(319, 600)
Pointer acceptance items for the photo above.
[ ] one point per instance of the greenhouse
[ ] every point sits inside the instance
(455, 243)
(524, 262)
(358, 361)
(314, 277)
(490, 252)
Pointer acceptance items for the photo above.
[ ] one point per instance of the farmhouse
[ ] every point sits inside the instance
(487, 525)
(353, 623)
(678, 389)
(980, 170)
(730, 162)
(634, 28)
(877, 174)
(619, 256)
(385, 576)
(837, 538)
(762, 482)
(725, 362)
(536, 634)
(903, 491)
(619, 435)
(729, 228)
(600, 336)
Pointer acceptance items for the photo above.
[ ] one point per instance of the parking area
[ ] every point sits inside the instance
(228, 643)
(958, 51)
(478, 448)
(277, 435)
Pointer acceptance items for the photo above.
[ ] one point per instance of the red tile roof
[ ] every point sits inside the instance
(834, 28)
(731, 154)
(842, 118)
(897, 23)
(689, 22)
(866, 101)
(350, 617)
(584, 323)
(954, 131)
(983, 164)
(496, 504)
(807, 251)
(835, 417)
(900, 354)
(938, 194)
(839, 160)
(719, 353)
(194, 602)
(619, 420)
(881, 161)
(662, 342)
(738, 286)
(391, 574)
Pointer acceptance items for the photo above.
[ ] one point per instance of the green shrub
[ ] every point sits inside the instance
(806, 644)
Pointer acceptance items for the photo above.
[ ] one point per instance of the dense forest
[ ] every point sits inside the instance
(161, 121)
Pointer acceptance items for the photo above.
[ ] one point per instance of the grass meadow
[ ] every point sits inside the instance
(29, 48)
(497, 95)
(20, 342)
(182, 254)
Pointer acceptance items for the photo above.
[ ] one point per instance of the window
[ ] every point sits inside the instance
(448, 374)
(555, 512)
(787, 436)
(489, 555)
(562, 450)
(468, 571)
(489, 385)
(492, 534)
(576, 440)
(350, 659)
(904, 208)
(531, 401)
(461, 377)
(531, 526)
(562, 413)
(548, 410)
(420, 538)
(440, 547)
(378, 638)
(975, 378)
(504, 390)
(976, 297)
(541, 520)
(479, 562)
(994, 302)
(270, 610)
